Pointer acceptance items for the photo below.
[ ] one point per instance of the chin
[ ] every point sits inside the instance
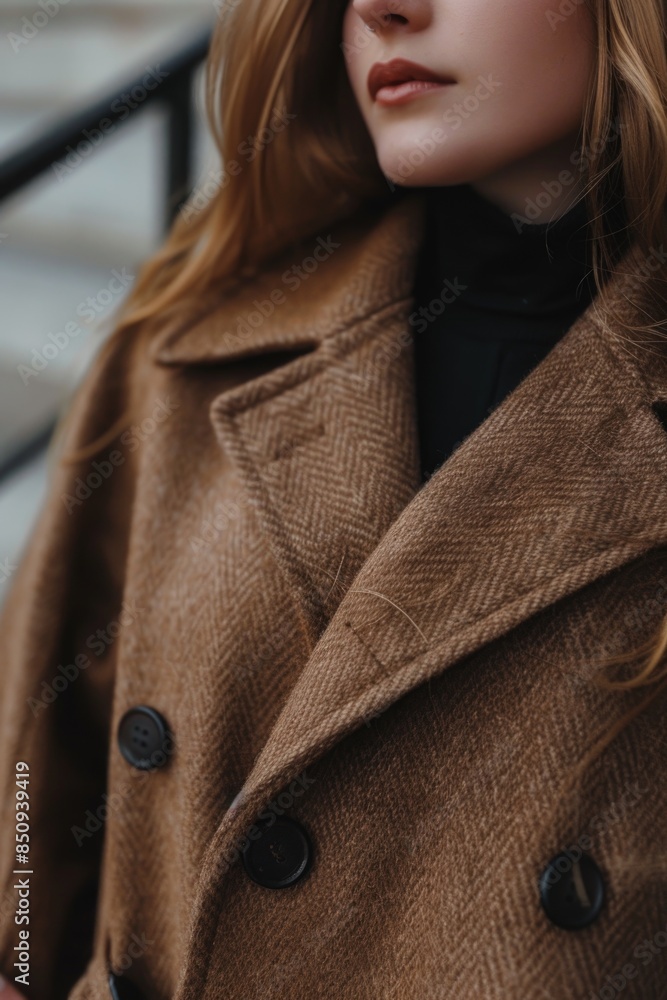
(409, 166)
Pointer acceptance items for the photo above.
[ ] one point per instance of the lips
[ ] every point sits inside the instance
(400, 71)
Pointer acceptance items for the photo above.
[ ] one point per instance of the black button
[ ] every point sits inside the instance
(572, 890)
(280, 855)
(121, 988)
(144, 738)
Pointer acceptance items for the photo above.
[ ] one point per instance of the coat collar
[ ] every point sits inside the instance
(565, 481)
(323, 285)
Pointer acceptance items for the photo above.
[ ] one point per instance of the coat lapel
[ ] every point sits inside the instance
(565, 481)
(325, 443)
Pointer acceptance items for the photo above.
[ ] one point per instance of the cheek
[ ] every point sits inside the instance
(544, 59)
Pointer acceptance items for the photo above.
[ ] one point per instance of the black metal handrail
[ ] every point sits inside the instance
(174, 90)
(170, 84)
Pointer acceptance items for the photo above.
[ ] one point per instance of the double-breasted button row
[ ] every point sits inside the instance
(572, 889)
(280, 853)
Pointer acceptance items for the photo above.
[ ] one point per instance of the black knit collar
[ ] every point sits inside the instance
(529, 269)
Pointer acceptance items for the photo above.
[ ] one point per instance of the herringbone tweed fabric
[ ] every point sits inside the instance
(405, 670)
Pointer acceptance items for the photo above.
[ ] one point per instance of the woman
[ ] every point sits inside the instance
(330, 678)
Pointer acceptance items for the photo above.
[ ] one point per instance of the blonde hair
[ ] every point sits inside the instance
(273, 75)
(272, 56)
(629, 89)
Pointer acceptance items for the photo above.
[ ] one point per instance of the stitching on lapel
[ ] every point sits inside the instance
(406, 666)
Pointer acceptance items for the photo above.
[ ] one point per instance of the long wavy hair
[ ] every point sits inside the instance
(276, 72)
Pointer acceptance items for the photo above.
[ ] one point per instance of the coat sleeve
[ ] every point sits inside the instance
(57, 659)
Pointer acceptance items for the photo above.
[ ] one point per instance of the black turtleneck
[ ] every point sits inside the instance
(497, 299)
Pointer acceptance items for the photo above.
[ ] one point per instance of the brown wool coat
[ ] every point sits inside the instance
(404, 670)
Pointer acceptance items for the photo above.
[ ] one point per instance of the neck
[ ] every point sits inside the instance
(542, 186)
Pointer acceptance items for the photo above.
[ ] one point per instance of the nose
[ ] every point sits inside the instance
(382, 15)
